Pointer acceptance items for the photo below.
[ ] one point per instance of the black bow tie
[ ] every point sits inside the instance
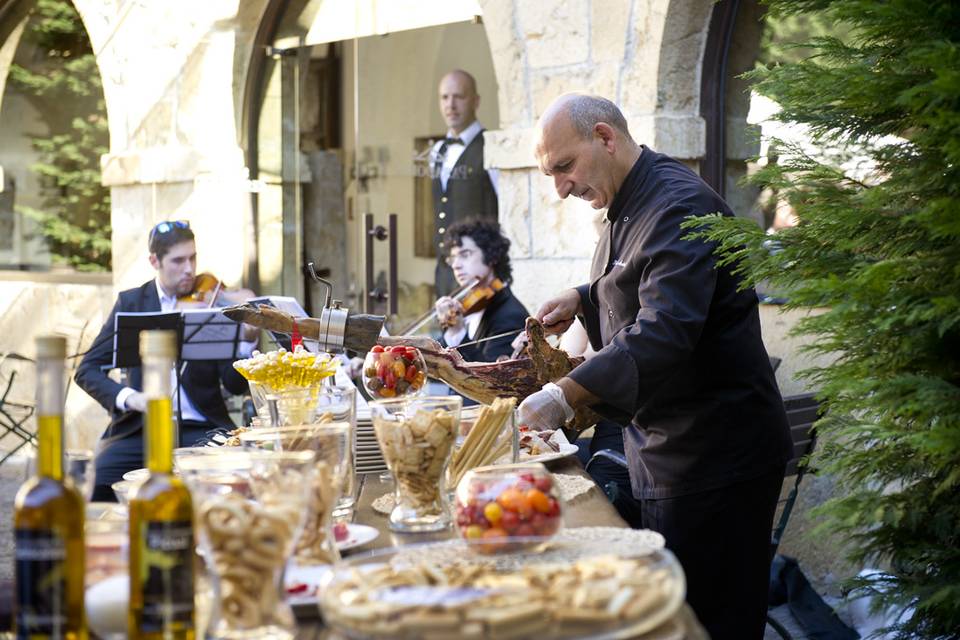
(449, 141)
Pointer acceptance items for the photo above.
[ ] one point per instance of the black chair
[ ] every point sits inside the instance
(802, 412)
(13, 414)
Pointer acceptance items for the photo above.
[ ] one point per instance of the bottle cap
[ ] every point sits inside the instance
(158, 344)
(51, 347)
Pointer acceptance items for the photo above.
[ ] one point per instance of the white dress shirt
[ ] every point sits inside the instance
(187, 410)
(471, 322)
(455, 150)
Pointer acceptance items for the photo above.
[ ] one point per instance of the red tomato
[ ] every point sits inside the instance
(544, 483)
(411, 373)
(509, 521)
(389, 380)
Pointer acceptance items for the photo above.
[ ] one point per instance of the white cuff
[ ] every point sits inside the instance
(122, 396)
(557, 394)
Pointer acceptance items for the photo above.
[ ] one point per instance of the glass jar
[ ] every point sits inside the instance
(416, 438)
(340, 402)
(394, 372)
(250, 509)
(330, 443)
(504, 506)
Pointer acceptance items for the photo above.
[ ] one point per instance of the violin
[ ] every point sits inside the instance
(209, 291)
(480, 296)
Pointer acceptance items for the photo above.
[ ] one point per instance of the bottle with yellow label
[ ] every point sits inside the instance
(48, 520)
(161, 513)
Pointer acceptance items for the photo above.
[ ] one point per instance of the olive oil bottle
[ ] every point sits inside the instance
(48, 520)
(161, 513)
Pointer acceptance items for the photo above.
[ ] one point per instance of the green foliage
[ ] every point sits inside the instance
(881, 255)
(63, 83)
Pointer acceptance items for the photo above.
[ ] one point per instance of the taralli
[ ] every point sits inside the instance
(249, 542)
(481, 600)
(226, 520)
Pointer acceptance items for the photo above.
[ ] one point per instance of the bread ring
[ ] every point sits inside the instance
(226, 518)
(240, 609)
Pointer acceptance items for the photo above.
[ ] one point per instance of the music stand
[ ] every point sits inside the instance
(202, 334)
(126, 342)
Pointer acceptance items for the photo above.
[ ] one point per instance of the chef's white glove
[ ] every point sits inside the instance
(545, 409)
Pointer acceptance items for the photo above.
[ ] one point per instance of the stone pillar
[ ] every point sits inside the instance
(642, 54)
(172, 78)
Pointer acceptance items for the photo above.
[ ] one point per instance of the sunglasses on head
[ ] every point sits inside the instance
(167, 226)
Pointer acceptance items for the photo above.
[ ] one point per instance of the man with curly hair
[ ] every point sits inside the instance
(479, 252)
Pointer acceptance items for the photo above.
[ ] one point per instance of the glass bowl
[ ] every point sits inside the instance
(560, 588)
(124, 490)
(394, 372)
(499, 507)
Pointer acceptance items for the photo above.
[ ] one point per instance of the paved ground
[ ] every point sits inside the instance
(11, 476)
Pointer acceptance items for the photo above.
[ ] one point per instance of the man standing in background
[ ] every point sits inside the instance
(461, 187)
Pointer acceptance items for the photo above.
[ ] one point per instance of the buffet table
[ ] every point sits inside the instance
(590, 509)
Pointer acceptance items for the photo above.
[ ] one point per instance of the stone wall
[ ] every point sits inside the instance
(173, 75)
(642, 54)
(72, 305)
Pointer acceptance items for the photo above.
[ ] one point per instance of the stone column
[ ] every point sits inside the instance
(172, 78)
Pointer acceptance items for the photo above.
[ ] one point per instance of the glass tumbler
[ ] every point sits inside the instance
(330, 443)
(416, 436)
(250, 507)
(340, 403)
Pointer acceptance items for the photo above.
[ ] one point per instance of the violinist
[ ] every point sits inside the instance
(478, 252)
(173, 255)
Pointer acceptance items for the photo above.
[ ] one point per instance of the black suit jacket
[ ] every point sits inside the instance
(201, 379)
(503, 313)
(679, 350)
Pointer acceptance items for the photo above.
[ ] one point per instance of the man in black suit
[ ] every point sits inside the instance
(462, 189)
(174, 256)
(680, 360)
(479, 252)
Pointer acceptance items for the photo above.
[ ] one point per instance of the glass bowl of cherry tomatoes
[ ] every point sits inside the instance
(508, 507)
(394, 372)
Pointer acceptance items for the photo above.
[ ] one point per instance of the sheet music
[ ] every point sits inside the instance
(209, 335)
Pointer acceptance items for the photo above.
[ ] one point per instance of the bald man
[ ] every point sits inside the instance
(461, 187)
(679, 359)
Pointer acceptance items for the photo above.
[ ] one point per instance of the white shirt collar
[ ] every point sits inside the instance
(468, 134)
(167, 303)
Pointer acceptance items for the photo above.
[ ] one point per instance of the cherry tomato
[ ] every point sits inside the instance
(411, 374)
(510, 499)
(399, 370)
(544, 483)
(389, 380)
(509, 521)
(493, 512)
(475, 531)
(377, 348)
(538, 500)
(387, 393)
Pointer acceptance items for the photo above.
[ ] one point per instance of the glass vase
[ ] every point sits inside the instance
(250, 507)
(416, 436)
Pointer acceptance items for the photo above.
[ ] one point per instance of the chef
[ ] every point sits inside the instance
(679, 359)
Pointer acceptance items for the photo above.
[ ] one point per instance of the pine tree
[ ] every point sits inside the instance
(63, 83)
(882, 255)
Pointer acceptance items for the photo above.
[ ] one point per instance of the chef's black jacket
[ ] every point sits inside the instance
(679, 348)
